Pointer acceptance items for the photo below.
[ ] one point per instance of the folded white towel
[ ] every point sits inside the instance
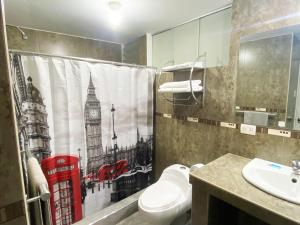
(183, 66)
(180, 84)
(180, 90)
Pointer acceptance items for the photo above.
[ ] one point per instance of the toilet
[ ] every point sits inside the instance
(169, 197)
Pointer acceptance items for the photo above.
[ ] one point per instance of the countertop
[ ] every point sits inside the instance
(225, 174)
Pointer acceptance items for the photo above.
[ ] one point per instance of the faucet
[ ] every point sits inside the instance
(296, 167)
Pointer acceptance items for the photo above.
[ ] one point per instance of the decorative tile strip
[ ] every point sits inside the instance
(259, 129)
(12, 211)
(271, 110)
(192, 119)
(158, 114)
(283, 133)
(262, 130)
(179, 117)
(295, 134)
(228, 125)
(166, 115)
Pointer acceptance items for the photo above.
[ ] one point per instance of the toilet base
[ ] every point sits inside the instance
(158, 222)
(153, 219)
(183, 219)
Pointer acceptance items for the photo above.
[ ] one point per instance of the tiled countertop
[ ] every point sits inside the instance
(225, 175)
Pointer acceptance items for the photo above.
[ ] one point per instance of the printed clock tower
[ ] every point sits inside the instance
(92, 116)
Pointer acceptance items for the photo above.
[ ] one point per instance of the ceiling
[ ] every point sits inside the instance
(94, 19)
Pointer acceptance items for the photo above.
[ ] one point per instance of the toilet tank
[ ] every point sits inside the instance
(178, 174)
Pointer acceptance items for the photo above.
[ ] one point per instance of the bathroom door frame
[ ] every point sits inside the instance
(13, 205)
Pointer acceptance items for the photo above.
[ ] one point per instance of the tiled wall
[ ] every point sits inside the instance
(135, 52)
(59, 44)
(12, 203)
(180, 141)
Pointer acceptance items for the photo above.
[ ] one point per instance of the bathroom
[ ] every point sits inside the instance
(239, 62)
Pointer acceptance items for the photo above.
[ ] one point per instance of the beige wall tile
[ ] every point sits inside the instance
(11, 183)
(65, 45)
(189, 143)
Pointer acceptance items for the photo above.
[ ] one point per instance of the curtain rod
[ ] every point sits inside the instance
(197, 18)
(54, 32)
(81, 59)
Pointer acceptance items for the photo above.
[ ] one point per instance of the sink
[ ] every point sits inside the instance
(273, 178)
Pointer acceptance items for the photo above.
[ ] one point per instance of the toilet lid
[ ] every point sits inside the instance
(161, 195)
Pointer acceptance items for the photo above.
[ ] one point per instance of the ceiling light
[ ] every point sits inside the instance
(115, 20)
(114, 5)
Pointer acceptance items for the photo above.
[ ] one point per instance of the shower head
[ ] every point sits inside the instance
(24, 36)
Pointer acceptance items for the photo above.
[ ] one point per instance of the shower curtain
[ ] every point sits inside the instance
(90, 125)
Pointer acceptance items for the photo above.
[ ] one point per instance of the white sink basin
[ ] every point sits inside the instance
(273, 178)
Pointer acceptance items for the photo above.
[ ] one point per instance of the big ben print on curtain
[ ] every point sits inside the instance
(92, 117)
(90, 125)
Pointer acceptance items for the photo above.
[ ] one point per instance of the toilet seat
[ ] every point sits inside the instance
(160, 196)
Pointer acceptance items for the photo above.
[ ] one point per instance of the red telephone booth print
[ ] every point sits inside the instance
(63, 176)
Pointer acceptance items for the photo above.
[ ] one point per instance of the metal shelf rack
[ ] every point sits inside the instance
(191, 69)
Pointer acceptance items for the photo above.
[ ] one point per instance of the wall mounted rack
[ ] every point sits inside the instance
(189, 93)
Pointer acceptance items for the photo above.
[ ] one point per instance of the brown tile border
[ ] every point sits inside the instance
(12, 211)
(262, 130)
(270, 110)
(259, 129)
(295, 134)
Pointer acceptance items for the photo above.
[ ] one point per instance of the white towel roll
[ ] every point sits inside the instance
(180, 90)
(180, 84)
(37, 178)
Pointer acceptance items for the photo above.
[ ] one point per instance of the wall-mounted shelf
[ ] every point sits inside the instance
(191, 89)
(183, 67)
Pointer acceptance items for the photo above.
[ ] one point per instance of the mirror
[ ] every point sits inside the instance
(268, 92)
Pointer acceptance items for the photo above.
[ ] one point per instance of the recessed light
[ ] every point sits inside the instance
(114, 5)
(115, 20)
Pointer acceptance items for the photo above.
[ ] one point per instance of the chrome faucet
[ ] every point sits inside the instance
(296, 167)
